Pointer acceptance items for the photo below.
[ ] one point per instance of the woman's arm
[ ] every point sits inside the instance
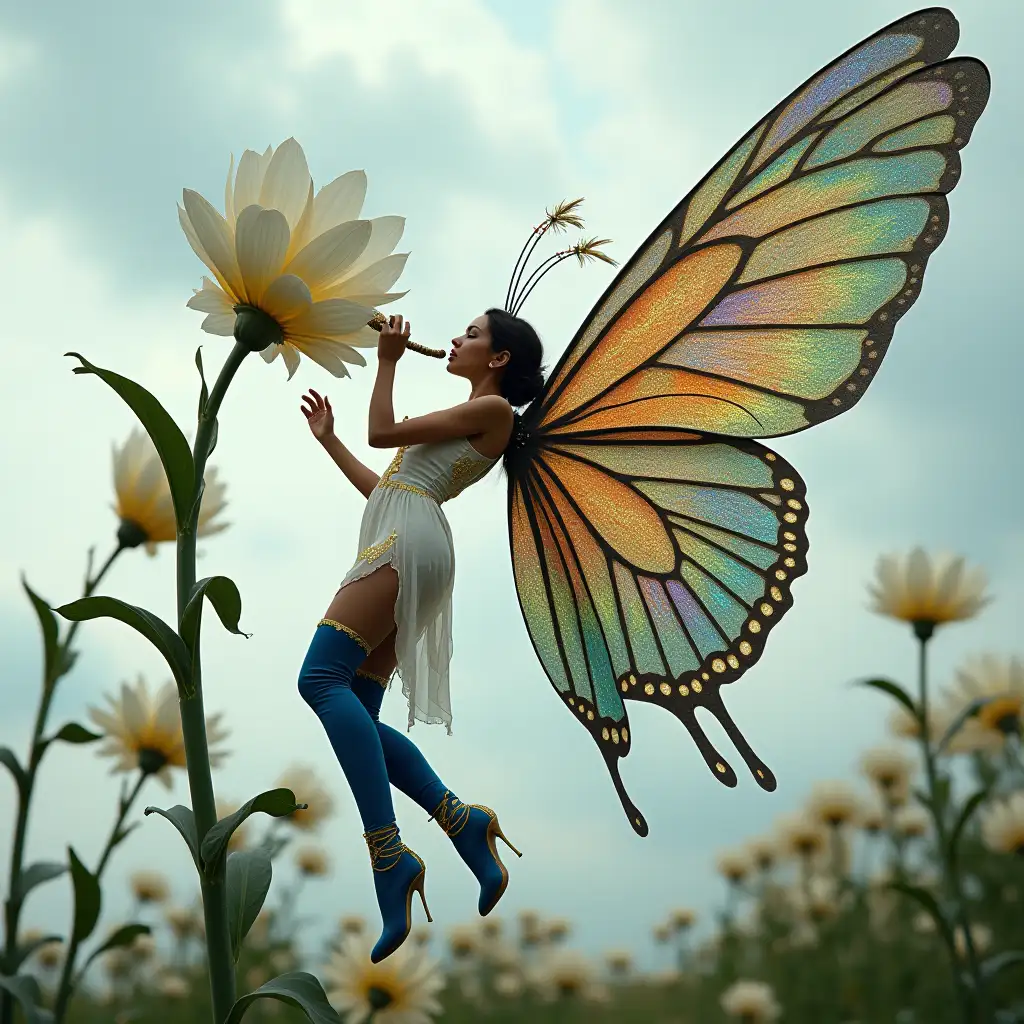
(361, 477)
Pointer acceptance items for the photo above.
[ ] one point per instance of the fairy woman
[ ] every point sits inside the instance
(394, 607)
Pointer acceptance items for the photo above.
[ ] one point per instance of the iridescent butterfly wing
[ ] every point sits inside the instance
(654, 542)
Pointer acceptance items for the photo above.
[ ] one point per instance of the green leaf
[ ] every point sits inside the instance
(967, 712)
(297, 988)
(227, 603)
(966, 812)
(998, 962)
(75, 733)
(896, 692)
(52, 667)
(25, 990)
(8, 758)
(33, 875)
(930, 904)
(275, 802)
(87, 898)
(22, 953)
(184, 821)
(151, 626)
(204, 392)
(168, 439)
(247, 880)
(124, 936)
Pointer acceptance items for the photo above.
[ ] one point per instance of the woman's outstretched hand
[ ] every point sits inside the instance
(393, 336)
(319, 414)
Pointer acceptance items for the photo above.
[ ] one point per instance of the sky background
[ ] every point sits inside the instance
(469, 117)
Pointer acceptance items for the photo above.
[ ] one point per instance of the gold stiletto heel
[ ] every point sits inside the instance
(495, 830)
(417, 886)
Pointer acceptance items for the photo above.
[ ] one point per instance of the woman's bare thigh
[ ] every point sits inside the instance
(367, 605)
(381, 660)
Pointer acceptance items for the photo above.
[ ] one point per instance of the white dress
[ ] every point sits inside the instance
(403, 526)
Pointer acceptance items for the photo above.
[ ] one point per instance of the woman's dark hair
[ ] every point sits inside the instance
(523, 379)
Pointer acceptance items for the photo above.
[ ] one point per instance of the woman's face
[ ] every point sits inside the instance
(471, 353)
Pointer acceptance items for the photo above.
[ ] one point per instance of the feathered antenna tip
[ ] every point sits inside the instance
(590, 249)
(564, 214)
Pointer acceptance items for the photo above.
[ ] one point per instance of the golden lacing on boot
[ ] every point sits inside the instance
(383, 680)
(385, 845)
(451, 813)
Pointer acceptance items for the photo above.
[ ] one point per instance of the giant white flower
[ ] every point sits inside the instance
(305, 260)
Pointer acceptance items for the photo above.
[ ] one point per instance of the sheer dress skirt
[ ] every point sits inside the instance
(409, 531)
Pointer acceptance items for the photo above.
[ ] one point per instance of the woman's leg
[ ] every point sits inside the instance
(408, 770)
(358, 619)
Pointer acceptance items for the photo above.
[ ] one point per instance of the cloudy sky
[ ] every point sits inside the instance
(469, 116)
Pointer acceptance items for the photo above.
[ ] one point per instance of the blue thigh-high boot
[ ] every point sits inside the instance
(472, 828)
(325, 683)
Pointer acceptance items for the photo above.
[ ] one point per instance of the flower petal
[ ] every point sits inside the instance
(374, 299)
(261, 241)
(291, 358)
(377, 277)
(214, 236)
(385, 234)
(287, 299)
(211, 298)
(271, 352)
(365, 337)
(286, 184)
(338, 201)
(323, 352)
(330, 318)
(220, 324)
(303, 230)
(247, 181)
(328, 256)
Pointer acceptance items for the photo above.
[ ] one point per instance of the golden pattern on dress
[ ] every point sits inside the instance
(463, 473)
(374, 551)
(342, 628)
(396, 464)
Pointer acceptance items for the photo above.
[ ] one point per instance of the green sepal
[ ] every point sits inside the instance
(72, 732)
(33, 875)
(275, 802)
(9, 759)
(151, 626)
(23, 952)
(170, 443)
(52, 667)
(124, 936)
(895, 691)
(247, 882)
(87, 898)
(184, 821)
(26, 991)
(297, 988)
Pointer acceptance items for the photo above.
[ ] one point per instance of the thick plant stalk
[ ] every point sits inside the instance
(36, 751)
(193, 720)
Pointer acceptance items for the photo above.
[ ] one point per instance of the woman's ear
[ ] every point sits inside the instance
(500, 359)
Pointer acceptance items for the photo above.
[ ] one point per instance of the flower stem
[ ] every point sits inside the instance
(971, 996)
(193, 718)
(12, 907)
(66, 986)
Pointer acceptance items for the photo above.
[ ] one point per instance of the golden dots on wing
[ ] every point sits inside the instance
(851, 387)
(958, 141)
(790, 517)
(632, 679)
(915, 268)
(961, 113)
(624, 686)
(590, 716)
(718, 665)
(776, 594)
(837, 401)
(961, 88)
(789, 536)
(760, 774)
(935, 218)
(769, 457)
(766, 608)
(572, 702)
(754, 626)
(719, 767)
(959, 75)
(793, 503)
(615, 735)
(705, 677)
(913, 280)
(745, 647)
(684, 690)
(780, 574)
(883, 316)
(786, 484)
(604, 733)
(665, 688)
(648, 688)
(863, 371)
(697, 686)
(789, 562)
(625, 735)
(789, 547)
(734, 662)
(873, 354)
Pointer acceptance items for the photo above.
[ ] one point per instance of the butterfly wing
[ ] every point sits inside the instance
(653, 541)
(766, 300)
(652, 567)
